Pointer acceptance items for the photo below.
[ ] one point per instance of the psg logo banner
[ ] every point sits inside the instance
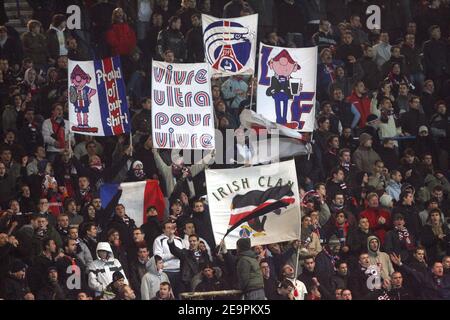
(97, 98)
(287, 86)
(230, 44)
(261, 203)
(182, 112)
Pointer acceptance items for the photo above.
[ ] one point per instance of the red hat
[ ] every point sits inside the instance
(284, 54)
(77, 71)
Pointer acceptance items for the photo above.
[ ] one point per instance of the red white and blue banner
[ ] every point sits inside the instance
(287, 86)
(136, 198)
(182, 109)
(260, 202)
(97, 98)
(230, 44)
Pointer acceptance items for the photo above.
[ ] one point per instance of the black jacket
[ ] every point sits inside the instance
(152, 229)
(125, 229)
(436, 248)
(432, 287)
(14, 289)
(401, 294)
(190, 263)
(412, 219)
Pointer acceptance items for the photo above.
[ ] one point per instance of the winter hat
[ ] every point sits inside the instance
(333, 241)
(117, 275)
(386, 200)
(17, 266)
(363, 138)
(51, 268)
(243, 244)
(423, 128)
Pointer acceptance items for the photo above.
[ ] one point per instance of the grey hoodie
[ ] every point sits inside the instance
(151, 280)
(380, 259)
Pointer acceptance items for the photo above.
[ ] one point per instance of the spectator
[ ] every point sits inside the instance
(56, 37)
(249, 276)
(172, 39)
(120, 37)
(153, 278)
(98, 281)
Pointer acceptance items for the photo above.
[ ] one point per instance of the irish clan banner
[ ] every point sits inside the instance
(261, 203)
(97, 98)
(182, 111)
(230, 44)
(287, 86)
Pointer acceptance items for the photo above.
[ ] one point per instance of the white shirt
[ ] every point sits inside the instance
(161, 248)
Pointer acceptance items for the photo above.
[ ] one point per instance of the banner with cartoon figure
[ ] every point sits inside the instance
(182, 111)
(287, 86)
(230, 44)
(97, 98)
(259, 202)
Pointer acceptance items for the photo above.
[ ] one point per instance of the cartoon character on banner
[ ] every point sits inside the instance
(284, 88)
(80, 97)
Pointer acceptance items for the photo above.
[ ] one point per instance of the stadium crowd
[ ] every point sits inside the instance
(375, 190)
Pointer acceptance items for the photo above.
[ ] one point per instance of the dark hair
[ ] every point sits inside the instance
(342, 151)
(163, 225)
(172, 20)
(194, 235)
(322, 119)
(165, 283)
(157, 258)
(57, 19)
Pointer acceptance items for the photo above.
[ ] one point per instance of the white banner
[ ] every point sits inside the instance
(230, 44)
(182, 111)
(250, 186)
(287, 86)
(97, 98)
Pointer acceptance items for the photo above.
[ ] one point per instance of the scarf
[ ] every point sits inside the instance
(58, 129)
(403, 235)
(333, 258)
(342, 232)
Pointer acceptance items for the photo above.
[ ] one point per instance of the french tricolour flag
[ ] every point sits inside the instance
(136, 197)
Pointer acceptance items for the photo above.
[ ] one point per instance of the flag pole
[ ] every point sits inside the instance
(131, 143)
(298, 247)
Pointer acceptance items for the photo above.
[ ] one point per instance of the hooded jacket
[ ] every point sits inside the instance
(101, 272)
(248, 272)
(364, 157)
(151, 280)
(380, 258)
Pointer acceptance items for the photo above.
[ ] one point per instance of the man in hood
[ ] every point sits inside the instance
(102, 269)
(365, 156)
(381, 259)
(151, 281)
(248, 272)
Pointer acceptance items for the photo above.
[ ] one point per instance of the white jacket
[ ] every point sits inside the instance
(47, 131)
(161, 248)
(101, 271)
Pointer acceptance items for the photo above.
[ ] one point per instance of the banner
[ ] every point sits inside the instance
(267, 196)
(97, 98)
(182, 111)
(136, 198)
(274, 141)
(230, 44)
(287, 86)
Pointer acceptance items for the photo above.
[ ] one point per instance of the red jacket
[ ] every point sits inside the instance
(363, 106)
(121, 38)
(373, 214)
